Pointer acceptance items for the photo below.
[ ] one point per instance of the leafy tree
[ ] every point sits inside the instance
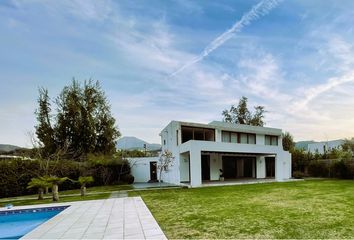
(83, 181)
(241, 115)
(82, 124)
(44, 130)
(348, 145)
(288, 141)
(41, 184)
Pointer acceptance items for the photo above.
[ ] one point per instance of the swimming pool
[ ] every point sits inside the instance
(16, 223)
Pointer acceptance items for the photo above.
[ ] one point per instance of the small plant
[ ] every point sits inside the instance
(55, 181)
(41, 184)
(83, 181)
(221, 175)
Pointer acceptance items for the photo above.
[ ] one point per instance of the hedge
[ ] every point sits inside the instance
(15, 174)
(342, 169)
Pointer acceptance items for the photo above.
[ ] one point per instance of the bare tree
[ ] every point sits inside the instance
(166, 161)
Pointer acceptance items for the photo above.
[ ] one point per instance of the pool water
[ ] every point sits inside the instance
(16, 223)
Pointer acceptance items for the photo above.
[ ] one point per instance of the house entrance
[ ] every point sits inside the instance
(205, 167)
(238, 167)
(270, 167)
(153, 171)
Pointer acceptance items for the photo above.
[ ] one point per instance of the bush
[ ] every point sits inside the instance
(128, 179)
(318, 169)
(16, 174)
(298, 175)
(342, 169)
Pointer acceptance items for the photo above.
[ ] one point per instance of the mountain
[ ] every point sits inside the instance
(303, 144)
(8, 148)
(133, 143)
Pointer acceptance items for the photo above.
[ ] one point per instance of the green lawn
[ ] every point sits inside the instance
(100, 192)
(306, 209)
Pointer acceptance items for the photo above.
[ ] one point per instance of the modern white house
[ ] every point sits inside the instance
(219, 151)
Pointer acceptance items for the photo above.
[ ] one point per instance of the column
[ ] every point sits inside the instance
(196, 167)
(261, 167)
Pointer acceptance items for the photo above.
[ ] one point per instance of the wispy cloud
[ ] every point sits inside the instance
(257, 11)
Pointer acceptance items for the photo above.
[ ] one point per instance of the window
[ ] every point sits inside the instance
(209, 134)
(225, 136)
(271, 140)
(243, 138)
(196, 133)
(235, 137)
(251, 138)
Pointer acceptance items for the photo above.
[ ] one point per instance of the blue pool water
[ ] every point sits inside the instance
(16, 223)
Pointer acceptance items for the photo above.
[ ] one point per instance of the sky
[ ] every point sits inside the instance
(163, 60)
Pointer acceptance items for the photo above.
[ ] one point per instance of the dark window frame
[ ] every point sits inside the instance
(199, 128)
(239, 136)
(271, 137)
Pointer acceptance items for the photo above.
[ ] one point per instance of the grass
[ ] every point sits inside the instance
(93, 193)
(23, 202)
(306, 209)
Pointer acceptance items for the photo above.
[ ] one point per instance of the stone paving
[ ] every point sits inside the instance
(114, 218)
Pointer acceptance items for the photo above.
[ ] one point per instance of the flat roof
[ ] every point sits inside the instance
(226, 126)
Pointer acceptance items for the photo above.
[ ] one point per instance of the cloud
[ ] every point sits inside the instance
(257, 11)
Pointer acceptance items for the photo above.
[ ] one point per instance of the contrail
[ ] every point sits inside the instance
(259, 10)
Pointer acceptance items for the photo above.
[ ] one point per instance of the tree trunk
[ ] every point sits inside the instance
(160, 173)
(55, 193)
(46, 190)
(40, 194)
(83, 190)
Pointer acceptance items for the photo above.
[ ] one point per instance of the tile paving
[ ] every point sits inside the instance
(114, 218)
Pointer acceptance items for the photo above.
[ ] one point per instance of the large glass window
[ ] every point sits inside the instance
(198, 133)
(243, 138)
(225, 136)
(271, 140)
(195, 133)
(187, 134)
(209, 134)
(251, 138)
(236, 137)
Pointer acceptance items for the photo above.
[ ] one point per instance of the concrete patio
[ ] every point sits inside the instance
(116, 218)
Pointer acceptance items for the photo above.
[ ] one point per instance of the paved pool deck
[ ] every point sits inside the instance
(114, 218)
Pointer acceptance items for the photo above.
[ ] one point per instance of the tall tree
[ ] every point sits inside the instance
(288, 142)
(348, 145)
(83, 122)
(241, 115)
(44, 129)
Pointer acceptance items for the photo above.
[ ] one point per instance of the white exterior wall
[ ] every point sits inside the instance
(261, 167)
(140, 168)
(193, 148)
(215, 165)
(184, 167)
(169, 142)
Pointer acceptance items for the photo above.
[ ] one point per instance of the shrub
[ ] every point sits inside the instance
(342, 169)
(298, 175)
(318, 169)
(128, 179)
(16, 174)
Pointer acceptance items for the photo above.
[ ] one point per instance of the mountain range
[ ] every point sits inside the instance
(8, 147)
(133, 143)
